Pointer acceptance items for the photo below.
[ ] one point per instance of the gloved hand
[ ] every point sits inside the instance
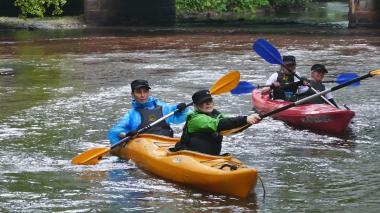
(132, 133)
(275, 84)
(181, 107)
(304, 81)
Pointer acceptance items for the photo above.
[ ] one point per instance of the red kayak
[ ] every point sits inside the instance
(320, 117)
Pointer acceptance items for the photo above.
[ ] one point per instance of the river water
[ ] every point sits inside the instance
(60, 92)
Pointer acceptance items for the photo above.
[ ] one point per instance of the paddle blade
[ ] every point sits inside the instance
(267, 51)
(375, 72)
(226, 83)
(90, 157)
(344, 77)
(243, 87)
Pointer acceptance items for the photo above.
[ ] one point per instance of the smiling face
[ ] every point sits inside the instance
(141, 95)
(206, 107)
(317, 76)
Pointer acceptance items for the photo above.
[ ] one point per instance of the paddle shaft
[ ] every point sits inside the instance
(314, 96)
(286, 84)
(145, 128)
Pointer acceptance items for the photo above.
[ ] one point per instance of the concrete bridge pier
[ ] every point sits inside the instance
(129, 12)
(364, 13)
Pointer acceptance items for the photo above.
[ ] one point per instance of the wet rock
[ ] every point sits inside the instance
(49, 23)
(6, 71)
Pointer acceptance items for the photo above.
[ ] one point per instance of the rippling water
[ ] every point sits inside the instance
(62, 91)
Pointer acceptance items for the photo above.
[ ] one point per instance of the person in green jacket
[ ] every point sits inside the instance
(201, 132)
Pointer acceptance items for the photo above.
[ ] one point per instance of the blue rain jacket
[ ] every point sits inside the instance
(132, 119)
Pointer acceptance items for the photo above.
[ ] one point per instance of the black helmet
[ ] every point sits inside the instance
(319, 68)
(289, 59)
(201, 96)
(137, 84)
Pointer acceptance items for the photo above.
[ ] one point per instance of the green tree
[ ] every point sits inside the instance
(219, 5)
(38, 7)
(236, 6)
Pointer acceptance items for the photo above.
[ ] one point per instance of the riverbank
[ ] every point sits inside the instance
(188, 25)
(46, 23)
(199, 23)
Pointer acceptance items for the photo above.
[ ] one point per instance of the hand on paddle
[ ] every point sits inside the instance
(305, 81)
(275, 85)
(181, 107)
(253, 119)
(131, 133)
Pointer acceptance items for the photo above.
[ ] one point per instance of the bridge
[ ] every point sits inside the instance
(364, 13)
(129, 12)
(162, 12)
(116, 12)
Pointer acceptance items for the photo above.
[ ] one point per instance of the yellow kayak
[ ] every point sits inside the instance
(217, 174)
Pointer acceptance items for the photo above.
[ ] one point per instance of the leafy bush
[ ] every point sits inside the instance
(221, 6)
(39, 7)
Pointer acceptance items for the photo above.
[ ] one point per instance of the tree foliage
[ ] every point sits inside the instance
(236, 6)
(219, 5)
(39, 7)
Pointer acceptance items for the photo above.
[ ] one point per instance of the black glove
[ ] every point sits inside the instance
(181, 107)
(304, 81)
(132, 133)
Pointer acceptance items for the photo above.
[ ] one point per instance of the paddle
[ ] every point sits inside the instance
(343, 77)
(347, 83)
(270, 54)
(93, 156)
(246, 87)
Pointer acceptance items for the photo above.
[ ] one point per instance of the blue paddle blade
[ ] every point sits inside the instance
(267, 51)
(243, 87)
(344, 77)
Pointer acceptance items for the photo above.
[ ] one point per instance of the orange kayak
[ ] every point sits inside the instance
(216, 174)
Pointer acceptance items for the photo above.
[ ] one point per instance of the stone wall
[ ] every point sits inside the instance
(129, 12)
(364, 13)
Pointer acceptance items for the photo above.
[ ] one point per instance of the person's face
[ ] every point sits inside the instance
(206, 107)
(291, 67)
(317, 76)
(141, 95)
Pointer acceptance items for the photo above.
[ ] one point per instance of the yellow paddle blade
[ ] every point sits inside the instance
(236, 130)
(90, 157)
(227, 83)
(375, 72)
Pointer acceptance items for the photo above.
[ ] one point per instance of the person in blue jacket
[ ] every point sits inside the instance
(145, 110)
